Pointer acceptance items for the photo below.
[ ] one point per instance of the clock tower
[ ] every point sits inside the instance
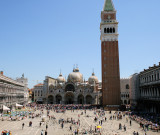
(110, 56)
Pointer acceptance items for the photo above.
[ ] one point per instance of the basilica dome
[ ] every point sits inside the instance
(75, 76)
(93, 79)
(61, 79)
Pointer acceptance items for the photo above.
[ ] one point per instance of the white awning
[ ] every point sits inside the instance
(5, 108)
(18, 105)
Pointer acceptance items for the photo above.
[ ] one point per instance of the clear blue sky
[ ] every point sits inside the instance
(40, 37)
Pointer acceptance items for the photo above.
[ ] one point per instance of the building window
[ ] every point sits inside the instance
(155, 77)
(38, 93)
(105, 30)
(113, 30)
(127, 86)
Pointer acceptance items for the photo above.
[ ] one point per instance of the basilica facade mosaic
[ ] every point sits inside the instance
(74, 90)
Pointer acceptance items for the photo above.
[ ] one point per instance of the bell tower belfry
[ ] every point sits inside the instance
(110, 55)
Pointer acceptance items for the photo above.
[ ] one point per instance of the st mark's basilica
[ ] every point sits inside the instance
(74, 90)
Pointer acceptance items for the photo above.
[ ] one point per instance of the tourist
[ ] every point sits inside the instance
(126, 119)
(22, 126)
(124, 128)
(105, 118)
(134, 133)
(46, 132)
(41, 132)
(62, 125)
(75, 132)
(130, 122)
(70, 128)
(95, 129)
(120, 126)
(46, 126)
(101, 122)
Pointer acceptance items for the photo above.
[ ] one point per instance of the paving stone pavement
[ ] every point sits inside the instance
(110, 127)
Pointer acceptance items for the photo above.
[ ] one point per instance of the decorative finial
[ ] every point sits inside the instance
(93, 72)
(60, 73)
(73, 67)
(23, 75)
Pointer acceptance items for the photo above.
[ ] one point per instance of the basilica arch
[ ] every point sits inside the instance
(50, 99)
(70, 87)
(80, 99)
(58, 99)
(88, 99)
(69, 98)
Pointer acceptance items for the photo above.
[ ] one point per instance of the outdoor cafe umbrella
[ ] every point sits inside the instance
(99, 127)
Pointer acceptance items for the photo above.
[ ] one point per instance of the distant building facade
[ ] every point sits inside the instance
(145, 90)
(125, 91)
(11, 91)
(74, 90)
(134, 89)
(149, 88)
(24, 81)
(38, 93)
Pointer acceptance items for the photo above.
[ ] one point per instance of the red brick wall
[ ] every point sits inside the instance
(110, 87)
(104, 16)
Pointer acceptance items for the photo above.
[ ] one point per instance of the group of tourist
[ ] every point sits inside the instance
(74, 124)
(145, 122)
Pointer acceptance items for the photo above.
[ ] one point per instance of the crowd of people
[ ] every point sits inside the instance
(146, 121)
(74, 124)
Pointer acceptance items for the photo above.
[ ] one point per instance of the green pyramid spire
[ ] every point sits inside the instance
(108, 5)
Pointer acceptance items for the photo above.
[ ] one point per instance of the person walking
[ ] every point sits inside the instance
(95, 129)
(70, 128)
(124, 128)
(41, 132)
(105, 118)
(101, 122)
(130, 122)
(46, 132)
(22, 126)
(134, 133)
(46, 126)
(62, 125)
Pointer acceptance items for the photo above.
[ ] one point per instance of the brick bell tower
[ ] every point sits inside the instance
(110, 56)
